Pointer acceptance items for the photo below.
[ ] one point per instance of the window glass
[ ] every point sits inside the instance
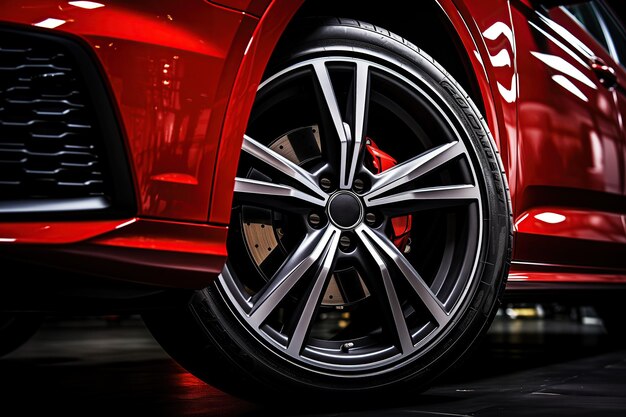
(616, 33)
(586, 15)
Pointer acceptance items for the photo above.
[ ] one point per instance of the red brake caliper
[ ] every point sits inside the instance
(401, 226)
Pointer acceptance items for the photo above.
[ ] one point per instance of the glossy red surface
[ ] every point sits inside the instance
(258, 52)
(171, 254)
(565, 277)
(184, 77)
(255, 7)
(56, 232)
(569, 135)
(168, 237)
(572, 224)
(381, 161)
(171, 74)
(570, 144)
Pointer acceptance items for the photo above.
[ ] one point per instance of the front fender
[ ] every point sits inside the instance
(485, 31)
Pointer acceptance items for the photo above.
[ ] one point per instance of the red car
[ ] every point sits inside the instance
(365, 189)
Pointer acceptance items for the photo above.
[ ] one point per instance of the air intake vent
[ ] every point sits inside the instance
(52, 150)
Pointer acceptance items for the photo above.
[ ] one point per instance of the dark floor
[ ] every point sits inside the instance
(529, 367)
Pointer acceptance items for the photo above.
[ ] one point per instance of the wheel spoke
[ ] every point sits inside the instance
(399, 323)
(426, 198)
(360, 117)
(303, 326)
(281, 164)
(413, 169)
(349, 143)
(275, 196)
(307, 254)
(427, 297)
(316, 273)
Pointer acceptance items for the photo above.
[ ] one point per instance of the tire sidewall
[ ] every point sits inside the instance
(219, 323)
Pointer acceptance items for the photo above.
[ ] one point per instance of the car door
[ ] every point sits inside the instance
(615, 35)
(570, 180)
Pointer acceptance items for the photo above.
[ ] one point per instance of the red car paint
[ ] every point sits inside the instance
(184, 77)
(164, 253)
(259, 50)
(56, 232)
(570, 147)
(172, 75)
(254, 7)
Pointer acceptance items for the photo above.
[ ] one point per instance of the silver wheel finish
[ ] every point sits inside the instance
(317, 255)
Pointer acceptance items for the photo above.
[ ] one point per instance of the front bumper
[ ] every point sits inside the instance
(163, 253)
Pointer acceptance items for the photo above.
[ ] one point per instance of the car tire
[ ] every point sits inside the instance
(17, 329)
(383, 329)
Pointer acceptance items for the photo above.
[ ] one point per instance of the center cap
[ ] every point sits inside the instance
(345, 210)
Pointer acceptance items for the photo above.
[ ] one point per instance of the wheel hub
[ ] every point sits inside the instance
(345, 210)
(339, 281)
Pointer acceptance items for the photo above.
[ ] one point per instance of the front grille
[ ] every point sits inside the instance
(51, 144)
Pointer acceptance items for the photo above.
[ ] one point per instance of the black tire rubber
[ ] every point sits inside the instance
(207, 338)
(17, 329)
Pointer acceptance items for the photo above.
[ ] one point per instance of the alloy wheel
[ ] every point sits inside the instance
(357, 226)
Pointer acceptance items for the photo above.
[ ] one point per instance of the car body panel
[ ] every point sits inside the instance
(570, 145)
(258, 53)
(171, 74)
(184, 75)
(254, 7)
(572, 223)
(155, 252)
(54, 233)
(525, 275)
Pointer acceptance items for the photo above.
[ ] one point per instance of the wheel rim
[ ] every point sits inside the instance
(317, 272)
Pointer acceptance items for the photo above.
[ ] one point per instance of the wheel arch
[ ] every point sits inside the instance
(432, 31)
(459, 32)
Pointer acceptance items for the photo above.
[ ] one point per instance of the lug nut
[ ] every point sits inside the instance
(326, 183)
(344, 242)
(358, 185)
(314, 219)
(370, 218)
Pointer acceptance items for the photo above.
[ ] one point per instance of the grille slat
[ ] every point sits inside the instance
(49, 146)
